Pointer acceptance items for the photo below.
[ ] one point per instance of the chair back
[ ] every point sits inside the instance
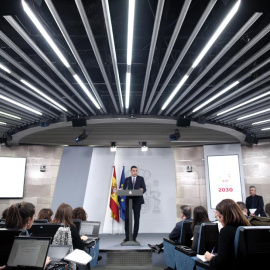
(208, 238)
(77, 223)
(6, 242)
(252, 245)
(186, 234)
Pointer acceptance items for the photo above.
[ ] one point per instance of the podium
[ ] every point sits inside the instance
(130, 193)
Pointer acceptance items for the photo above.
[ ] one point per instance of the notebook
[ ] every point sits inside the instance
(90, 229)
(28, 253)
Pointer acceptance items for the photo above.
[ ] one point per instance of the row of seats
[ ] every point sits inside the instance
(251, 247)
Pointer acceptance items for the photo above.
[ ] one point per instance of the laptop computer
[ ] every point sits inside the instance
(58, 252)
(28, 253)
(90, 229)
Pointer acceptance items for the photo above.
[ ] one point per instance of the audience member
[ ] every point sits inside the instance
(255, 201)
(267, 209)
(185, 212)
(45, 213)
(64, 215)
(243, 208)
(231, 217)
(20, 216)
(200, 216)
(4, 215)
(79, 213)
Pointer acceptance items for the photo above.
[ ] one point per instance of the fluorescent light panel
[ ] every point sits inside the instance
(79, 81)
(253, 114)
(216, 96)
(244, 103)
(131, 11)
(265, 128)
(41, 29)
(42, 94)
(128, 77)
(10, 115)
(3, 123)
(5, 68)
(217, 33)
(174, 92)
(261, 122)
(20, 104)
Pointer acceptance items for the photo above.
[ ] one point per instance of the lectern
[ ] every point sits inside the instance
(130, 193)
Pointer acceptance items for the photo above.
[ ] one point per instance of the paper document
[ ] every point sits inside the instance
(78, 256)
(252, 210)
(201, 257)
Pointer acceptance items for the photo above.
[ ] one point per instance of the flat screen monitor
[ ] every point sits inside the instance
(12, 175)
(224, 179)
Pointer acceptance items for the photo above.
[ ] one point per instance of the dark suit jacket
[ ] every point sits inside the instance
(138, 184)
(258, 203)
(176, 232)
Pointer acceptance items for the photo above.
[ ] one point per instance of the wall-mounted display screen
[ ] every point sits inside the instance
(224, 179)
(12, 175)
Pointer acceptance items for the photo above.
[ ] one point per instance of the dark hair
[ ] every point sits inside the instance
(18, 213)
(200, 215)
(252, 187)
(64, 215)
(242, 205)
(186, 210)
(232, 214)
(133, 167)
(267, 209)
(79, 213)
(4, 214)
(45, 213)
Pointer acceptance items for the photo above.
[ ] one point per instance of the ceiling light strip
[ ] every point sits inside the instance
(26, 116)
(252, 114)
(47, 38)
(261, 122)
(19, 104)
(108, 22)
(33, 45)
(184, 51)
(74, 51)
(208, 46)
(21, 95)
(44, 33)
(131, 14)
(244, 103)
(10, 115)
(33, 77)
(263, 129)
(158, 16)
(216, 96)
(4, 68)
(95, 49)
(3, 123)
(225, 49)
(174, 36)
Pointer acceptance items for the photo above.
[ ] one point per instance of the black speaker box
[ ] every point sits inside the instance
(201, 120)
(79, 122)
(250, 139)
(183, 122)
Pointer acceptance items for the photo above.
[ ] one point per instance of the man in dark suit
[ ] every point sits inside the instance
(134, 182)
(255, 201)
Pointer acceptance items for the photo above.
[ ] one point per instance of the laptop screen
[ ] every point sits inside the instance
(28, 252)
(58, 252)
(90, 228)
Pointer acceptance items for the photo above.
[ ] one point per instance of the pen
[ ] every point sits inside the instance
(213, 250)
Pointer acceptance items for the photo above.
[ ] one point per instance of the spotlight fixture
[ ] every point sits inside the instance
(81, 137)
(144, 146)
(175, 136)
(113, 147)
(44, 123)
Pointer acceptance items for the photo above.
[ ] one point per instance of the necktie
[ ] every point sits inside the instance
(133, 181)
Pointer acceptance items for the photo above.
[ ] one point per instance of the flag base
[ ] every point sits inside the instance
(130, 243)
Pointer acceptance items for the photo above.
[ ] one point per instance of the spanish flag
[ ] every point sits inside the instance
(114, 198)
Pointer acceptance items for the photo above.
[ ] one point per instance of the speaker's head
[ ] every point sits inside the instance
(79, 122)
(183, 122)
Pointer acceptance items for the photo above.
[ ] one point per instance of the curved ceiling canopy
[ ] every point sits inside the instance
(203, 60)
